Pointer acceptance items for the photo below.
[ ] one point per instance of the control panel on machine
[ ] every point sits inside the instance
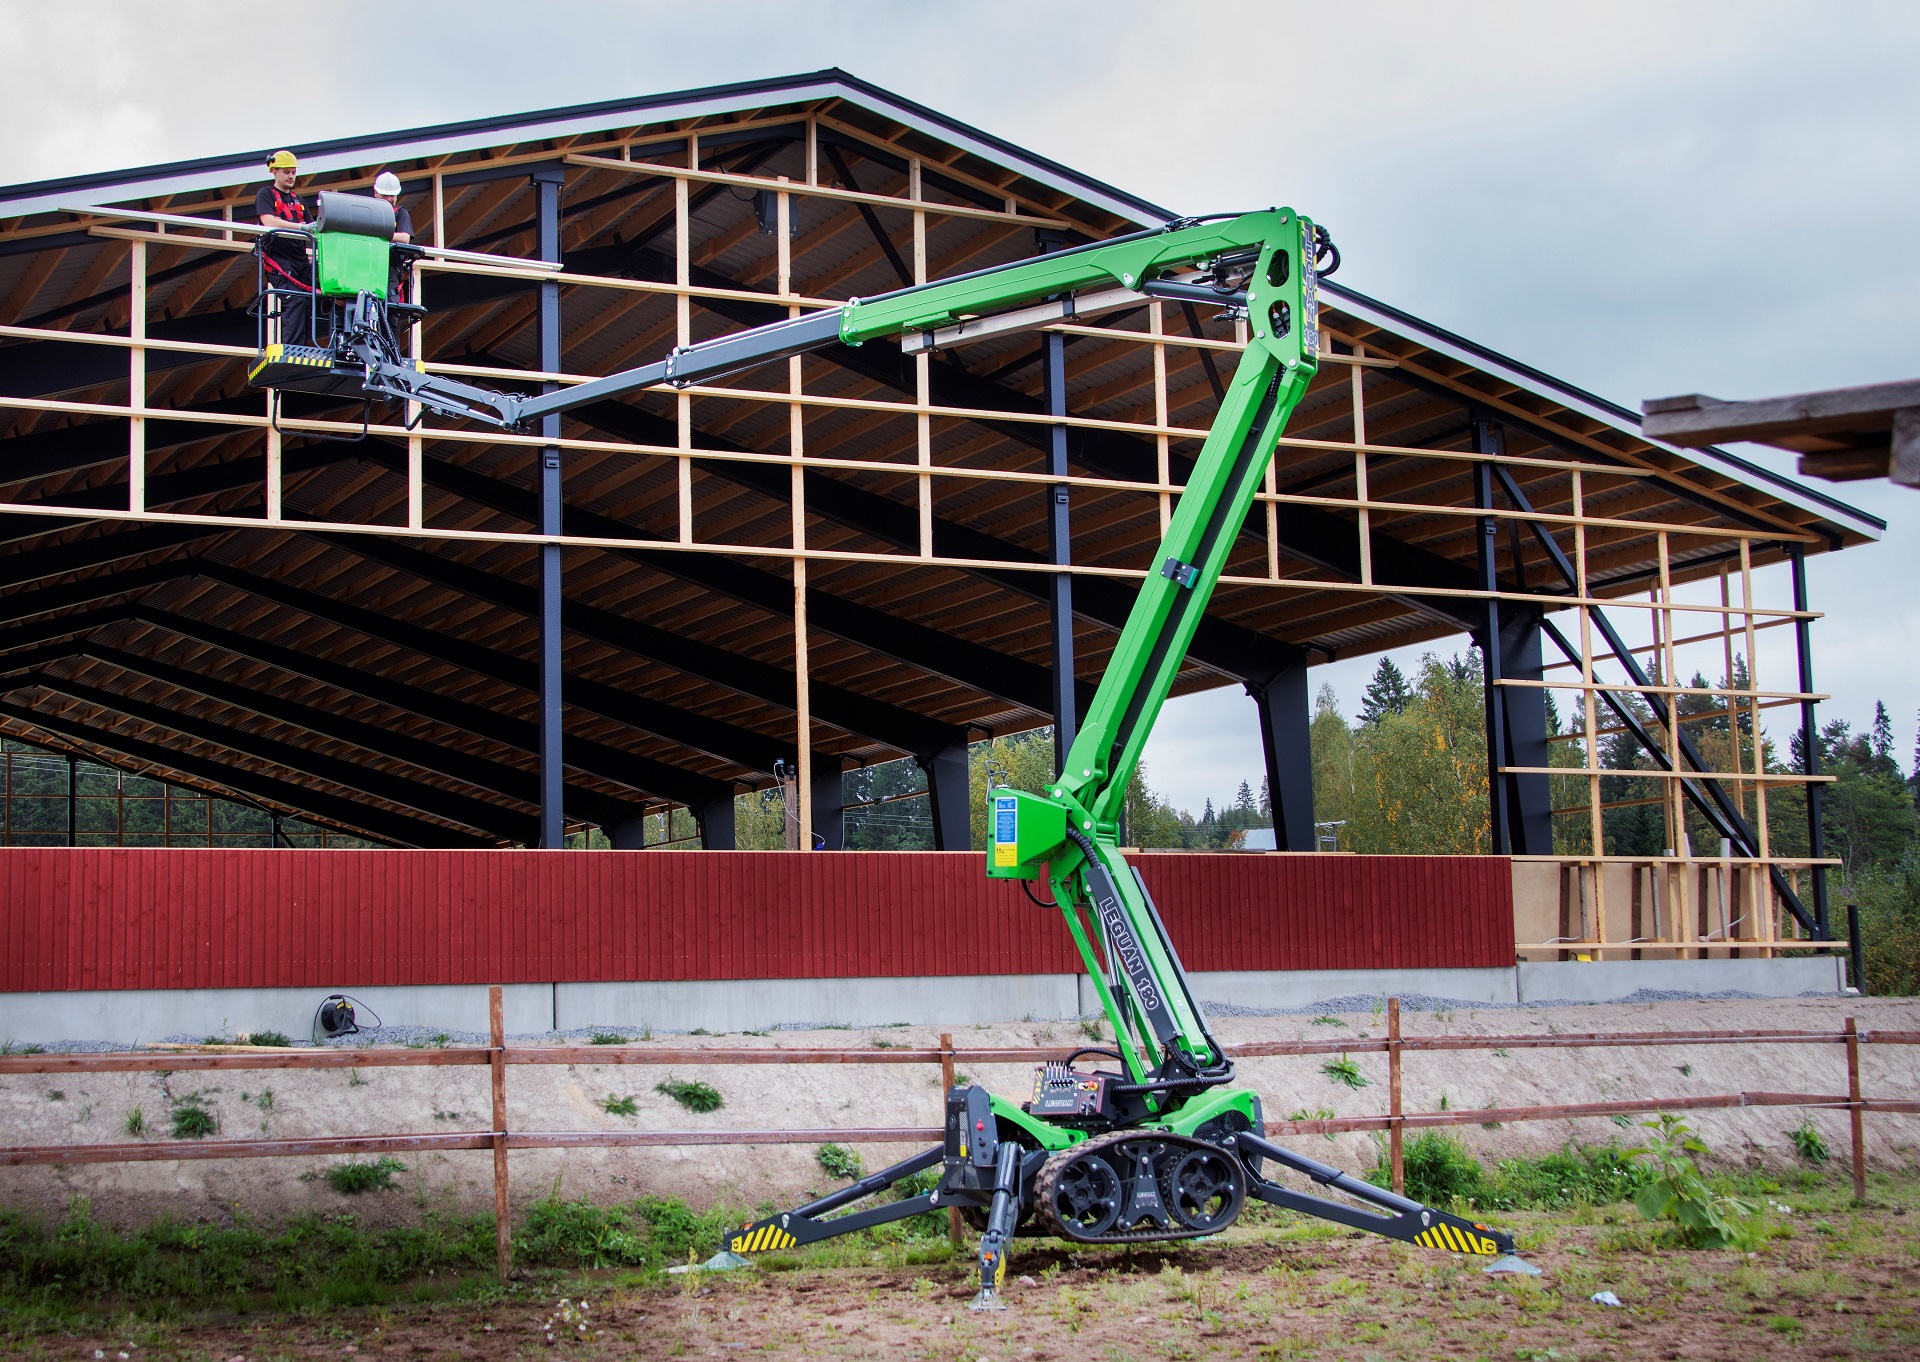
(1071, 1097)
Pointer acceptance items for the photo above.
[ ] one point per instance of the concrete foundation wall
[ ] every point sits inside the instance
(753, 1005)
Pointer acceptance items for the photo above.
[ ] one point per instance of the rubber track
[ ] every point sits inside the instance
(1048, 1181)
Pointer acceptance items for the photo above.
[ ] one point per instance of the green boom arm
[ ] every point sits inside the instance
(1263, 262)
(1072, 827)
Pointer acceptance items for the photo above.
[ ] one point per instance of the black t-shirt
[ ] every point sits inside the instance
(402, 221)
(264, 205)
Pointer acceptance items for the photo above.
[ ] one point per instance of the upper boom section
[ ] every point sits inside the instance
(1159, 262)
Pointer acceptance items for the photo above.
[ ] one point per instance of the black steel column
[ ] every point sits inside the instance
(547, 181)
(951, 798)
(72, 840)
(1066, 715)
(715, 822)
(829, 808)
(1529, 797)
(1810, 742)
(1486, 441)
(1286, 716)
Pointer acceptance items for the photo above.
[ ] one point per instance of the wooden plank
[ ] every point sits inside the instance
(1695, 419)
(195, 1150)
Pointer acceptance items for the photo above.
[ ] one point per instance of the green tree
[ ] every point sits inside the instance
(1388, 693)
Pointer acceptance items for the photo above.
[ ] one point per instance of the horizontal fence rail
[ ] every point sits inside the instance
(499, 1055)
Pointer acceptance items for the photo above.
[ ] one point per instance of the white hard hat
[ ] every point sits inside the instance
(387, 183)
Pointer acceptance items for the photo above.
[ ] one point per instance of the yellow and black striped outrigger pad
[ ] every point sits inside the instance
(1459, 1236)
(761, 1238)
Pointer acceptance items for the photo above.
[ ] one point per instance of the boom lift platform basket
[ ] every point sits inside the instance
(1158, 1144)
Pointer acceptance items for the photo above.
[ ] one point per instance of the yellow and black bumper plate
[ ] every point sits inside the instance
(303, 368)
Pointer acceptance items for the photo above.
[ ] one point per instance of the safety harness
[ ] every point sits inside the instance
(289, 210)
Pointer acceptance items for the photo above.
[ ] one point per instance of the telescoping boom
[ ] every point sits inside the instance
(1161, 1145)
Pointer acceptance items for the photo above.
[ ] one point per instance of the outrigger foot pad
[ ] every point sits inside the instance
(1511, 1262)
(986, 1298)
(723, 1261)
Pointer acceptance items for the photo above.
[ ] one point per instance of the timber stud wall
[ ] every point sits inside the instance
(1384, 520)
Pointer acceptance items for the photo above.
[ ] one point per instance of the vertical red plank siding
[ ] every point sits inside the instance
(91, 918)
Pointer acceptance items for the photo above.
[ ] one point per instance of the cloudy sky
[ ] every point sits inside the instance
(1643, 199)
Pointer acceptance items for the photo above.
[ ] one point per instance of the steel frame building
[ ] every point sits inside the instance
(443, 636)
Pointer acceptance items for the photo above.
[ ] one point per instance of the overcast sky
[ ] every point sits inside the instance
(1642, 199)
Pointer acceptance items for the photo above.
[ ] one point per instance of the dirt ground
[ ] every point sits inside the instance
(73, 1109)
(1841, 1283)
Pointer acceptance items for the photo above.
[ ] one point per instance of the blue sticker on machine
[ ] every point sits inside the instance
(1004, 821)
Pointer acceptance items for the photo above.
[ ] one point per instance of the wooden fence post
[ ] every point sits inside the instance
(1393, 1096)
(1853, 1111)
(956, 1232)
(502, 1226)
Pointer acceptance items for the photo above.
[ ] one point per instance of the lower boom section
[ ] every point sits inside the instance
(1185, 1177)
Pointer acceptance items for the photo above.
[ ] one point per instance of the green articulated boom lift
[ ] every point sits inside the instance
(1158, 1145)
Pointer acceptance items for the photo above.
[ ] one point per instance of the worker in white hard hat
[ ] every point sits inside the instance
(386, 185)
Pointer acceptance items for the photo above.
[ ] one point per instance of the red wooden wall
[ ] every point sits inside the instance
(103, 918)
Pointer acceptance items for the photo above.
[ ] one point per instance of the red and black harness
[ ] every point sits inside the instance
(288, 210)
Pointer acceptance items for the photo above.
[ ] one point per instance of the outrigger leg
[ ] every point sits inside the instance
(803, 1226)
(1001, 1219)
(1400, 1217)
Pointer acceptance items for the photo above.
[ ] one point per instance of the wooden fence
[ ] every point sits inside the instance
(497, 1055)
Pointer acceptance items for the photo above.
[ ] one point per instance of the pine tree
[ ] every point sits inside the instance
(1243, 799)
(1388, 693)
(1882, 739)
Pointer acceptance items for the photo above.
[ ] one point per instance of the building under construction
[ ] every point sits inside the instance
(431, 635)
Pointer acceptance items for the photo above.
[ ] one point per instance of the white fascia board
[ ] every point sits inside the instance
(243, 170)
(240, 170)
(1785, 489)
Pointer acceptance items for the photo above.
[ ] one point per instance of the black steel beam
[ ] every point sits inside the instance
(481, 772)
(861, 714)
(729, 742)
(457, 808)
(611, 763)
(380, 824)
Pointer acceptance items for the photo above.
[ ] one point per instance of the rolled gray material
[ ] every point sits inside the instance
(354, 213)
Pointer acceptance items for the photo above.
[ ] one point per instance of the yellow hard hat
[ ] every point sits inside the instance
(283, 160)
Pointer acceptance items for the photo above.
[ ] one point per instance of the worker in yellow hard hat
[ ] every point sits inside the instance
(285, 260)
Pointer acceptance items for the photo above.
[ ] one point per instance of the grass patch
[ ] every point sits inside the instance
(274, 1038)
(1345, 1070)
(692, 1094)
(1441, 1172)
(351, 1179)
(193, 1119)
(620, 1106)
(135, 1124)
(840, 1162)
(607, 1038)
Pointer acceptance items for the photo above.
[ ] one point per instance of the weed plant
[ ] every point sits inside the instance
(1809, 1144)
(351, 1179)
(1345, 1070)
(135, 1124)
(268, 1038)
(607, 1038)
(620, 1106)
(840, 1162)
(192, 1120)
(692, 1094)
